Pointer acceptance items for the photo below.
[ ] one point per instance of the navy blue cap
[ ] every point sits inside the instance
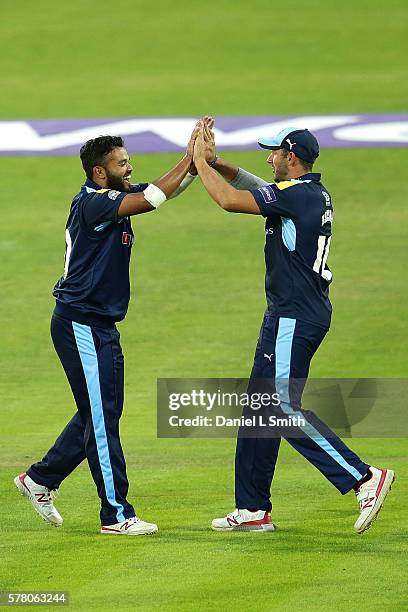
(301, 142)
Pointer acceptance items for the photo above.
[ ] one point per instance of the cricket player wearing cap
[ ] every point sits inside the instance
(299, 213)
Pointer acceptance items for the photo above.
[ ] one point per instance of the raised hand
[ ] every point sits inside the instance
(190, 146)
(208, 122)
(210, 142)
(200, 145)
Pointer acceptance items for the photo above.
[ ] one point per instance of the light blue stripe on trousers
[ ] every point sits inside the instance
(283, 353)
(89, 359)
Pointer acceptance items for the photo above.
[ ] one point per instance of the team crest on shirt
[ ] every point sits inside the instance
(112, 194)
(267, 194)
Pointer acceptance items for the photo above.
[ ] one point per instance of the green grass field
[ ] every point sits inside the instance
(197, 300)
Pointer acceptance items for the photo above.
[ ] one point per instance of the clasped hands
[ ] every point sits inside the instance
(202, 144)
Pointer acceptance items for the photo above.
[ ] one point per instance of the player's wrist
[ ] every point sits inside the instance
(192, 169)
(154, 195)
(200, 162)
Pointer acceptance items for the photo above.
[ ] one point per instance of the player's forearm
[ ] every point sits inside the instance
(157, 192)
(220, 191)
(186, 182)
(227, 170)
(172, 179)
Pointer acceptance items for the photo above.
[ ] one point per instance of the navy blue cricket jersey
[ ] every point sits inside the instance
(298, 229)
(95, 287)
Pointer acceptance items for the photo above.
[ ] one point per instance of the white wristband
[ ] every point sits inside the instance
(154, 195)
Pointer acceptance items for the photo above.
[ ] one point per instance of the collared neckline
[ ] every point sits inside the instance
(310, 176)
(89, 183)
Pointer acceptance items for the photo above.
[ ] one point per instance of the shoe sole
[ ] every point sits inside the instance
(27, 495)
(142, 533)
(386, 488)
(252, 528)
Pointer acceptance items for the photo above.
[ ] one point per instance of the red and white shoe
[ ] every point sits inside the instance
(244, 520)
(371, 495)
(41, 498)
(131, 526)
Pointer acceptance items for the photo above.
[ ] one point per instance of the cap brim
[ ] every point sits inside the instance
(275, 142)
(270, 143)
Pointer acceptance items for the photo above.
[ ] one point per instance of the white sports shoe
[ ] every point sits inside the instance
(244, 520)
(371, 495)
(41, 498)
(131, 526)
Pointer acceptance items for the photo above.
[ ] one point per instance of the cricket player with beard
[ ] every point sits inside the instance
(298, 212)
(91, 297)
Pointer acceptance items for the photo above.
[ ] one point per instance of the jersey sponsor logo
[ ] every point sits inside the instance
(112, 194)
(269, 230)
(127, 239)
(268, 194)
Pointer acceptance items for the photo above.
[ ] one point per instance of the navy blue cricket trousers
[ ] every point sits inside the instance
(284, 351)
(93, 362)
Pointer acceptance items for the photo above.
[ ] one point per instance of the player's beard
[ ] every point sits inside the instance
(278, 176)
(116, 182)
(281, 172)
